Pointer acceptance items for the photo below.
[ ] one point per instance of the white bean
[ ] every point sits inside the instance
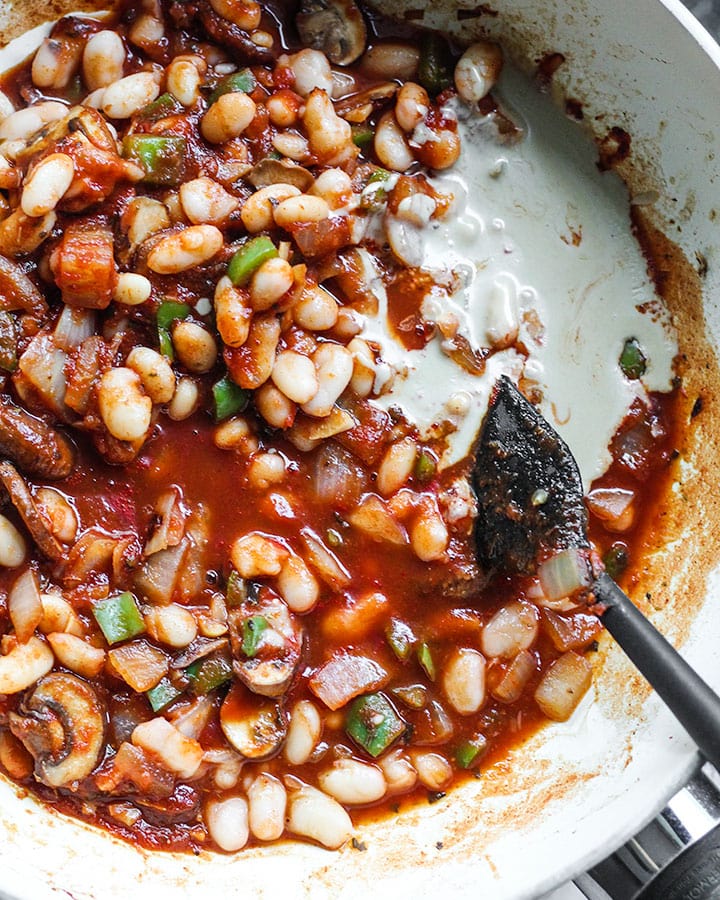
(334, 186)
(513, 628)
(227, 822)
(396, 466)
(330, 136)
(155, 372)
(228, 117)
(363, 377)
(236, 434)
(255, 555)
(124, 407)
(292, 145)
(268, 799)
(334, 367)
(316, 310)
(270, 282)
(144, 217)
(399, 772)
(428, 533)
(463, 680)
(185, 400)
(303, 733)
(77, 654)
(54, 63)
(277, 409)
(61, 515)
(477, 70)
(131, 289)
(266, 469)
(24, 665)
(302, 209)
(172, 625)
(103, 59)
(257, 211)
(205, 202)
(433, 770)
(185, 249)
(124, 98)
(314, 815)
(297, 585)
(12, 545)
(311, 70)
(411, 106)
(295, 375)
(183, 79)
(391, 145)
(178, 753)
(353, 782)
(196, 348)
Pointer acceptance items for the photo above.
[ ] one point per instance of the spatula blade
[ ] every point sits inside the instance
(528, 486)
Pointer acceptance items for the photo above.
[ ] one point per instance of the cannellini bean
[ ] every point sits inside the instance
(20, 125)
(270, 282)
(204, 201)
(243, 13)
(334, 367)
(477, 70)
(334, 186)
(6, 106)
(266, 469)
(124, 98)
(311, 70)
(156, 374)
(24, 665)
(303, 733)
(297, 585)
(233, 312)
(314, 815)
(184, 78)
(144, 217)
(76, 654)
(124, 407)
(316, 310)
(277, 409)
(236, 434)
(390, 60)
(257, 211)
(196, 348)
(131, 289)
(103, 59)
(363, 377)
(259, 352)
(255, 555)
(185, 249)
(513, 628)
(463, 680)
(47, 184)
(399, 772)
(58, 615)
(228, 117)
(433, 770)
(391, 145)
(227, 822)
(292, 145)
(417, 209)
(12, 545)
(57, 510)
(299, 210)
(172, 625)
(330, 136)
(176, 752)
(55, 63)
(440, 151)
(353, 782)
(295, 375)
(428, 533)
(146, 31)
(396, 466)
(268, 799)
(283, 108)
(519, 672)
(411, 106)
(185, 400)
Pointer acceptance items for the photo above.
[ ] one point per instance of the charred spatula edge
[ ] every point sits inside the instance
(531, 506)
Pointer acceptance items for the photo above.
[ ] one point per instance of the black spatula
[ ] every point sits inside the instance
(531, 506)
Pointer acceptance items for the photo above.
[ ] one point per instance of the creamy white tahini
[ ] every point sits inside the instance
(510, 236)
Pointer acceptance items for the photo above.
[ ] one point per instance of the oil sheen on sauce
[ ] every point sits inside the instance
(539, 234)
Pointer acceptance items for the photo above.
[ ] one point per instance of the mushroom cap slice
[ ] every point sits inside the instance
(334, 26)
(63, 727)
(256, 727)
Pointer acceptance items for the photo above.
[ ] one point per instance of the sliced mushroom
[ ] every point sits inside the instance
(280, 171)
(255, 727)
(228, 34)
(267, 644)
(38, 448)
(334, 26)
(62, 724)
(358, 107)
(23, 501)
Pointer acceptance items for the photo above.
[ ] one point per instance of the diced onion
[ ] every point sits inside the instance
(73, 327)
(563, 686)
(564, 574)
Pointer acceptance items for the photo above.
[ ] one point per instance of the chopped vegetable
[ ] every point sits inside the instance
(373, 723)
(400, 638)
(253, 630)
(435, 69)
(162, 695)
(425, 658)
(161, 158)
(412, 695)
(344, 677)
(237, 590)
(564, 574)
(168, 312)
(228, 398)
(165, 105)
(207, 674)
(470, 752)
(8, 342)
(425, 465)
(249, 258)
(119, 617)
(244, 81)
(362, 136)
(616, 560)
(563, 686)
(633, 361)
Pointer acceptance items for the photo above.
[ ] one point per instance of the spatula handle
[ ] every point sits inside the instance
(695, 705)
